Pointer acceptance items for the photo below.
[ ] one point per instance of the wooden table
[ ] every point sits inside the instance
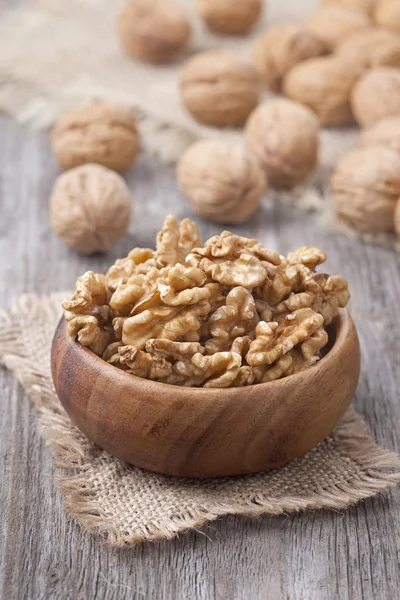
(311, 556)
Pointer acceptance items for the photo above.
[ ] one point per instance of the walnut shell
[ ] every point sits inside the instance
(227, 17)
(90, 208)
(324, 85)
(384, 133)
(153, 30)
(222, 181)
(283, 135)
(387, 14)
(397, 218)
(376, 95)
(219, 88)
(333, 24)
(100, 133)
(280, 48)
(365, 6)
(370, 48)
(366, 187)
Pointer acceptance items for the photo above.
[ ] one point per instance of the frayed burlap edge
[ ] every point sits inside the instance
(381, 468)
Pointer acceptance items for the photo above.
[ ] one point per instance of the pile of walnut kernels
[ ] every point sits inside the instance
(224, 314)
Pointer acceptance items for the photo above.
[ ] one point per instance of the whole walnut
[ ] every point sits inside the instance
(387, 14)
(100, 133)
(219, 88)
(376, 95)
(323, 84)
(366, 6)
(366, 187)
(283, 135)
(90, 208)
(384, 133)
(371, 48)
(397, 218)
(332, 24)
(221, 180)
(280, 48)
(227, 17)
(153, 30)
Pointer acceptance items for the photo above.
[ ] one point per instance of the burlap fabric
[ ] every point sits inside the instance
(128, 505)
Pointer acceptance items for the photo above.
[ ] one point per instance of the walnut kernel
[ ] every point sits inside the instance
(227, 314)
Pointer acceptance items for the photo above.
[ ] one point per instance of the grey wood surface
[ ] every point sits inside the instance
(317, 555)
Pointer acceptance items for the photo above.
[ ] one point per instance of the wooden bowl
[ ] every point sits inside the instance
(199, 432)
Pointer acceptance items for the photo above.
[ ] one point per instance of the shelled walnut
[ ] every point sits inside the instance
(219, 88)
(370, 48)
(333, 23)
(90, 208)
(282, 47)
(100, 132)
(376, 95)
(227, 17)
(153, 30)
(387, 14)
(222, 180)
(226, 314)
(283, 136)
(366, 187)
(323, 84)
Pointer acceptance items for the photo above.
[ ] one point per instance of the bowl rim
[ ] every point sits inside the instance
(342, 322)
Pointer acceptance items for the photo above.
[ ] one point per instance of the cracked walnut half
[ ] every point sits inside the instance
(228, 313)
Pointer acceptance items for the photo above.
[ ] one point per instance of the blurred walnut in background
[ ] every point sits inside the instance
(219, 88)
(280, 48)
(153, 30)
(385, 133)
(369, 48)
(376, 95)
(90, 208)
(366, 6)
(366, 187)
(387, 14)
(397, 218)
(324, 85)
(100, 133)
(221, 180)
(332, 24)
(283, 136)
(229, 17)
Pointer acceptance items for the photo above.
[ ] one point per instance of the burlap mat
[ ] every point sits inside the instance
(128, 505)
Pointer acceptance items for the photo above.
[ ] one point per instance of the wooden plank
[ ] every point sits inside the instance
(321, 555)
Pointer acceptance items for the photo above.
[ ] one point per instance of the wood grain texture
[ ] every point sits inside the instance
(213, 432)
(313, 556)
